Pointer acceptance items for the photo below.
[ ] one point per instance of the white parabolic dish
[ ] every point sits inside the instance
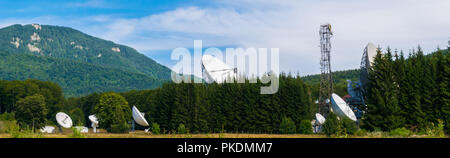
(371, 53)
(47, 129)
(216, 70)
(64, 120)
(138, 117)
(93, 119)
(340, 108)
(320, 119)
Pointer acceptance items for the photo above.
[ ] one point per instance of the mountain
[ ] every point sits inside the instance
(79, 63)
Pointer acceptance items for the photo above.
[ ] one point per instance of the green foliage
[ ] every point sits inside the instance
(181, 129)
(24, 133)
(67, 55)
(349, 126)
(31, 111)
(120, 128)
(155, 128)
(400, 132)
(361, 132)
(339, 81)
(9, 126)
(113, 112)
(12, 91)
(410, 93)
(76, 133)
(436, 130)
(287, 126)
(331, 125)
(305, 127)
(7, 116)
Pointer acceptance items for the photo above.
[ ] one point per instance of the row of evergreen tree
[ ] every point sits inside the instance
(410, 92)
(230, 107)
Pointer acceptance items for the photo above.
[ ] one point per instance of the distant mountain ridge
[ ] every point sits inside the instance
(79, 63)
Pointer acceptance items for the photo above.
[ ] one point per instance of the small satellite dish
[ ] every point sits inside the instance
(139, 117)
(215, 70)
(48, 129)
(340, 107)
(64, 120)
(94, 121)
(82, 129)
(320, 119)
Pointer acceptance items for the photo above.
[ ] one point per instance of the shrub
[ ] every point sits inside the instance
(331, 125)
(7, 116)
(349, 126)
(120, 128)
(287, 126)
(155, 128)
(305, 127)
(402, 132)
(436, 131)
(24, 133)
(181, 129)
(76, 133)
(8, 126)
(361, 132)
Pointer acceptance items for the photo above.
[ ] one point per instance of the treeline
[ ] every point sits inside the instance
(410, 92)
(12, 94)
(339, 82)
(230, 107)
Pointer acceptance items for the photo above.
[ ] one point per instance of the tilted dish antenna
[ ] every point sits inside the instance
(340, 107)
(47, 129)
(63, 120)
(320, 119)
(215, 70)
(82, 129)
(94, 121)
(139, 117)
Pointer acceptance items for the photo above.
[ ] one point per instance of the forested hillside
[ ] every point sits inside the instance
(79, 63)
(339, 81)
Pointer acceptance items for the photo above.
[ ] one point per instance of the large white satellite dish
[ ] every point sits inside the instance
(82, 129)
(368, 58)
(371, 51)
(215, 70)
(320, 119)
(64, 120)
(47, 129)
(94, 121)
(138, 117)
(340, 107)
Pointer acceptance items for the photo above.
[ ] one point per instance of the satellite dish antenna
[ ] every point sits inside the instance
(94, 121)
(82, 129)
(47, 129)
(63, 120)
(320, 119)
(139, 118)
(340, 107)
(367, 62)
(214, 70)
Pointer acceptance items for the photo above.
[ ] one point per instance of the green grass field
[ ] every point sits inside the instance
(142, 134)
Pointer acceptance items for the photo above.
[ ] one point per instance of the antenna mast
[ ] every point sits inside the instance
(326, 80)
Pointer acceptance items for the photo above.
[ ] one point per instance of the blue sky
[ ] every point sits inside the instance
(155, 28)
